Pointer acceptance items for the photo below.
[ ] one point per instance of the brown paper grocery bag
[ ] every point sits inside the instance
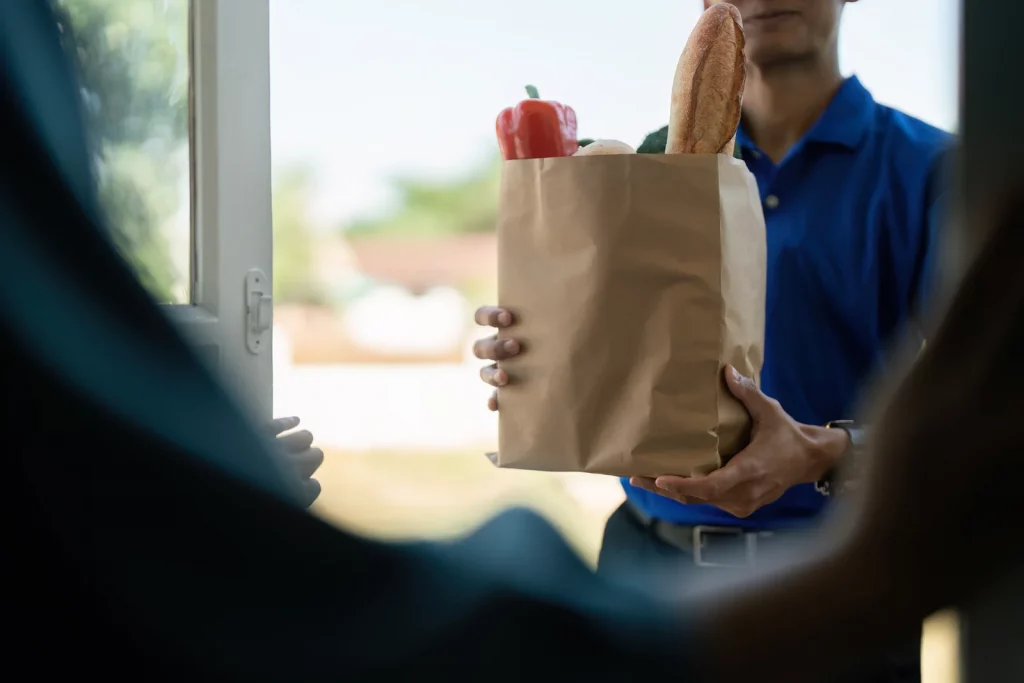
(634, 279)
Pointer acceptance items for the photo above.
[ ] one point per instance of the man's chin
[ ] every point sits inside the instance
(775, 56)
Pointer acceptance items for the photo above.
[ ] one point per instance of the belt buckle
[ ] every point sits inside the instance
(750, 544)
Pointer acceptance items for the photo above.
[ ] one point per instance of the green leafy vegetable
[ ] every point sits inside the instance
(584, 142)
(655, 142)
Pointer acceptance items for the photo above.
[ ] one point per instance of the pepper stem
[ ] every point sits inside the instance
(532, 92)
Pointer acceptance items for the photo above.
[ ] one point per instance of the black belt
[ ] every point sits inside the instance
(711, 546)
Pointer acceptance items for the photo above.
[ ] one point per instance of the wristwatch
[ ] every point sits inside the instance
(849, 464)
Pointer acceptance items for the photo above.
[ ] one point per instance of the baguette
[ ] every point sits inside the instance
(598, 147)
(708, 86)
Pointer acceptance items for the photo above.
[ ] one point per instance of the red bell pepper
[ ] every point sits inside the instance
(536, 128)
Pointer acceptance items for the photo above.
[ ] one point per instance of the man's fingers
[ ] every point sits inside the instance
(642, 482)
(282, 424)
(492, 348)
(681, 485)
(648, 484)
(493, 316)
(494, 376)
(308, 461)
(760, 407)
(492, 402)
(296, 442)
(707, 488)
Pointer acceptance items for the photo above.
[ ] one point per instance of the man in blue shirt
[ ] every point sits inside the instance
(850, 194)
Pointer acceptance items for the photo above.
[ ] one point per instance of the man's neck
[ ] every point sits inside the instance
(781, 103)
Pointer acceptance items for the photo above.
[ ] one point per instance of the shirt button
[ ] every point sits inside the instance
(771, 201)
(755, 154)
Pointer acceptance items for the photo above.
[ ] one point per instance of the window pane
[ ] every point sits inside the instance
(133, 60)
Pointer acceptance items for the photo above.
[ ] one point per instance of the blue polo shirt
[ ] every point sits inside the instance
(850, 216)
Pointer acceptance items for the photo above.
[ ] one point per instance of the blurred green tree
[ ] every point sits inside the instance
(295, 280)
(468, 204)
(133, 64)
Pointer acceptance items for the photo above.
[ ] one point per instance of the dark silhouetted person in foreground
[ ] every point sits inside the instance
(154, 536)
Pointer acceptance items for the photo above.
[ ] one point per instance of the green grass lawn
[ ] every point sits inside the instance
(410, 495)
(396, 495)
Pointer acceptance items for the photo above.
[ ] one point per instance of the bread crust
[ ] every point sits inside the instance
(707, 92)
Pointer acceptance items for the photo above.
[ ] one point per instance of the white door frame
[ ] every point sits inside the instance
(231, 196)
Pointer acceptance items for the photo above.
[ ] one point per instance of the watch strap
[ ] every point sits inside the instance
(830, 484)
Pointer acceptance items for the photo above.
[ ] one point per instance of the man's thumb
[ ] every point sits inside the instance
(757, 404)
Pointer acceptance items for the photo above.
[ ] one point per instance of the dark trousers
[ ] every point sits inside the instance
(630, 547)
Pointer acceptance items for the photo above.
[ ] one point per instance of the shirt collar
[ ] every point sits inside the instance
(844, 122)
